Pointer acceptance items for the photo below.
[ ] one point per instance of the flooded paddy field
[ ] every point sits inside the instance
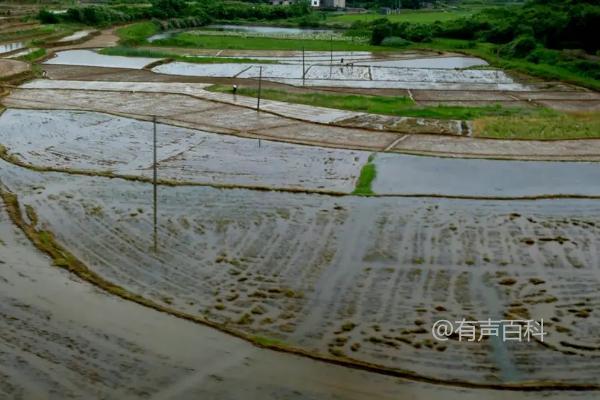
(75, 36)
(433, 79)
(94, 59)
(402, 174)
(189, 105)
(10, 47)
(104, 143)
(75, 341)
(345, 279)
(359, 76)
(352, 278)
(198, 113)
(425, 73)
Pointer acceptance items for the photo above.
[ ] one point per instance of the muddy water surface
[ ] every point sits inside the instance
(100, 142)
(93, 59)
(405, 174)
(301, 268)
(8, 47)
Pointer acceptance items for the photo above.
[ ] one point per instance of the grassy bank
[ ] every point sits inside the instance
(262, 43)
(548, 125)
(489, 121)
(136, 34)
(141, 52)
(413, 16)
(33, 56)
(387, 105)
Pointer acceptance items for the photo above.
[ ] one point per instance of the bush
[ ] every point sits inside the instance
(101, 15)
(418, 33)
(381, 30)
(47, 17)
(395, 41)
(543, 56)
(520, 47)
(168, 8)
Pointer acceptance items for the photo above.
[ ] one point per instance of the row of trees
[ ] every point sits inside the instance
(554, 24)
(200, 10)
(375, 4)
(556, 32)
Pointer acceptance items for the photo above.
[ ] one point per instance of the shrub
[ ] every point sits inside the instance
(520, 47)
(47, 17)
(395, 41)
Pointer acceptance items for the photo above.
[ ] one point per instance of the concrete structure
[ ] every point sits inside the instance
(333, 4)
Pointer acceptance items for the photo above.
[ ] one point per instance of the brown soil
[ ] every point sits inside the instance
(9, 68)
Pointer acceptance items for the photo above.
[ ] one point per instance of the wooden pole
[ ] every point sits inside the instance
(303, 68)
(154, 184)
(331, 50)
(259, 89)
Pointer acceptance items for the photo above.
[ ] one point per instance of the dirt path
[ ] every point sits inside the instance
(106, 38)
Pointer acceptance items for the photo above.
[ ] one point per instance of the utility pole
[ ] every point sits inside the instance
(259, 88)
(154, 179)
(303, 68)
(331, 50)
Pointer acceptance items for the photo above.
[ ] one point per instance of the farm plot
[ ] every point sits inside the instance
(353, 76)
(398, 173)
(93, 59)
(429, 62)
(104, 143)
(356, 278)
(122, 98)
(50, 318)
(205, 115)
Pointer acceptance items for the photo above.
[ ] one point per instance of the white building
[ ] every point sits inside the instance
(313, 3)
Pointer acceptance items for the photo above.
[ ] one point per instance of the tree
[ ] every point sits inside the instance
(168, 8)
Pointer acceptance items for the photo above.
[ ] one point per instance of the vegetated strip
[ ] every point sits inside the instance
(366, 178)
(45, 241)
(402, 106)
(365, 189)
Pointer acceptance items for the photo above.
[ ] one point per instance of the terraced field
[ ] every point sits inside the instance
(260, 234)
(354, 278)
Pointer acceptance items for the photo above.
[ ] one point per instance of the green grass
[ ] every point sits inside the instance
(267, 342)
(40, 34)
(547, 125)
(387, 105)
(28, 33)
(487, 52)
(416, 16)
(262, 43)
(489, 121)
(367, 175)
(141, 52)
(33, 56)
(135, 34)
